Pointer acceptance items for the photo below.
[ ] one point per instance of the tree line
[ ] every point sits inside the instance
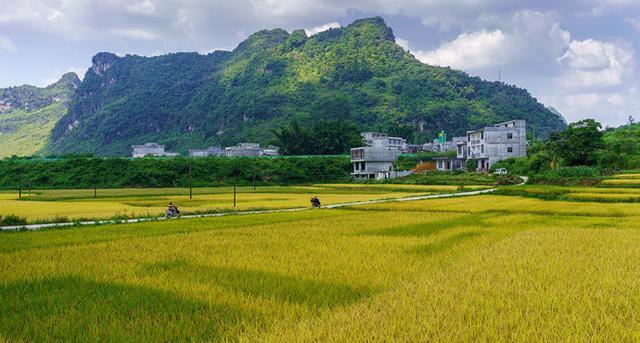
(90, 172)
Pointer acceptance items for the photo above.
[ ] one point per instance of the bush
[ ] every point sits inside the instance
(12, 220)
(170, 172)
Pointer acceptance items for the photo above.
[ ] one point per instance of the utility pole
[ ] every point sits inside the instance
(254, 174)
(234, 193)
(20, 185)
(95, 180)
(190, 180)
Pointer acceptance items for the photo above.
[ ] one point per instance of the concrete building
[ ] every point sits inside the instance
(151, 149)
(210, 151)
(373, 162)
(412, 148)
(376, 159)
(250, 149)
(449, 163)
(382, 139)
(243, 149)
(491, 144)
(271, 151)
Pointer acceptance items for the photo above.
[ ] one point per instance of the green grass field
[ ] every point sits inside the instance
(489, 268)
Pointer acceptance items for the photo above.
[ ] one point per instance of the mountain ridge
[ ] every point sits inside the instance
(29, 113)
(355, 73)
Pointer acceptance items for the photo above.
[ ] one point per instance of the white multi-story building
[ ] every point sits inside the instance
(250, 149)
(382, 139)
(210, 151)
(375, 160)
(243, 149)
(150, 149)
(489, 145)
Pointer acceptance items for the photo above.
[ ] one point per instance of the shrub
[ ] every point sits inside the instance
(12, 220)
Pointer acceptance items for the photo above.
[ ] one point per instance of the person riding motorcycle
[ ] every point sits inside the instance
(315, 202)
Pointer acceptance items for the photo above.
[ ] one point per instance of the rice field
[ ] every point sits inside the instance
(604, 193)
(481, 268)
(60, 205)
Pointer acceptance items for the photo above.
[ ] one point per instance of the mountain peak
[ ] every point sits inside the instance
(375, 26)
(102, 61)
(67, 79)
(263, 39)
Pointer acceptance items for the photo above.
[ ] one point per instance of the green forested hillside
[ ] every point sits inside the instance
(356, 73)
(28, 114)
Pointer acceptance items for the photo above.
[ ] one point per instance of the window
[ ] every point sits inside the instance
(509, 149)
(482, 148)
(482, 135)
(510, 135)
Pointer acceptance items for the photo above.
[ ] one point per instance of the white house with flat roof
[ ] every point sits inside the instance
(151, 149)
(489, 145)
(210, 151)
(375, 160)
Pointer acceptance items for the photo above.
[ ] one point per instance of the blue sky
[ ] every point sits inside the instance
(578, 56)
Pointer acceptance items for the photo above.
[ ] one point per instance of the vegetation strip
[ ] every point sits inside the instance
(34, 227)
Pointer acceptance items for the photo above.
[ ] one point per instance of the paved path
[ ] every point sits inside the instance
(34, 227)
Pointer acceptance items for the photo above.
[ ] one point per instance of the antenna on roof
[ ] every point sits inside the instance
(500, 75)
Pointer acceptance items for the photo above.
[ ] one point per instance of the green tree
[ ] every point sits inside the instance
(578, 145)
(292, 139)
(326, 137)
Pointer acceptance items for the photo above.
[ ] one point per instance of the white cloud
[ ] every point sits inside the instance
(469, 51)
(612, 108)
(403, 43)
(634, 22)
(312, 31)
(6, 44)
(594, 63)
(133, 33)
(146, 7)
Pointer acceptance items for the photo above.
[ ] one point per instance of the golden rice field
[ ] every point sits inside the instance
(617, 182)
(481, 268)
(627, 176)
(54, 205)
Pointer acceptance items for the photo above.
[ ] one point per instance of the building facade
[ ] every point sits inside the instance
(250, 150)
(376, 159)
(382, 139)
(150, 149)
(488, 146)
(243, 149)
(210, 151)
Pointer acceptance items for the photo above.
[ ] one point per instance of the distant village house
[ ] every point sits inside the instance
(210, 151)
(151, 149)
(376, 159)
(250, 149)
(488, 146)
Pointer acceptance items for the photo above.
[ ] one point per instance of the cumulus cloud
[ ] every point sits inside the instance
(6, 44)
(324, 27)
(594, 63)
(469, 51)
